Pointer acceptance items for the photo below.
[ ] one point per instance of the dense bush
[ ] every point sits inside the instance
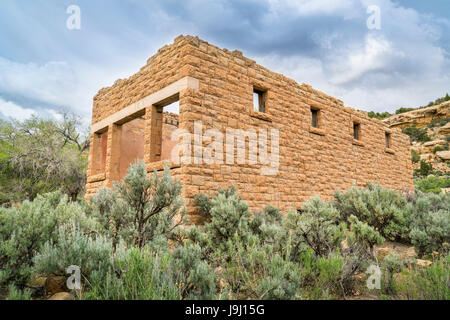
(432, 184)
(430, 226)
(404, 110)
(193, 276)
(317, 228)
(432, 283)
(379, 115)
(141, 210)
(24, 231)
(136, 274)
(73, 247)
(382, 209)
(425, 169)
(415, 157)
(417, 134)
(438, 148)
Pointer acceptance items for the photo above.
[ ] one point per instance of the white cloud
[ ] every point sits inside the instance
(376, 54)
(51, 83)
(55, 114)
(13, 111)
(403, 64)
(57, 84)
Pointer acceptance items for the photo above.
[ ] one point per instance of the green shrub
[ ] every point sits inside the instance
(16, 294)
(425, 169)
(382, 209)
(268, 225)
(361, 234)
(430, 226)
(439, 100)
(379, 115)
(194, 276)
(24, 231)
(403, 110)
(390, 266)
(323, 277)
(141, 210)
(137, 274)
(415, 157)
(432, 283)
(438, 148)
(316, 228)
(229, 217)
(94, 256)
(260, 271)
(417, 134)
(438, 123)
(432, 184)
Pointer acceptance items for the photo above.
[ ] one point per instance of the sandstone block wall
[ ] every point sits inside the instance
(312, 161)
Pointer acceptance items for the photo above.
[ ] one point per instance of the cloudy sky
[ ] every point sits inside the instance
(45, 67)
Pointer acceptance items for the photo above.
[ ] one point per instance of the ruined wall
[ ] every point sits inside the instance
(312, 161)
(161, 70)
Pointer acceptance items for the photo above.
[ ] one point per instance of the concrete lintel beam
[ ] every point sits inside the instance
(154, 98)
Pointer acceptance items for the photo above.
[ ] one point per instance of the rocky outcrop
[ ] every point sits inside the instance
(435, 151)
(420, 117)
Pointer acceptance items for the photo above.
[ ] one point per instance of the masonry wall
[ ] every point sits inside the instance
(312, 161)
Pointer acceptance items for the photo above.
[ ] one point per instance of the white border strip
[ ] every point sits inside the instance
(167, 92)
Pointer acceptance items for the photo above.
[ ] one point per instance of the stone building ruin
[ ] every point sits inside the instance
(323, 145)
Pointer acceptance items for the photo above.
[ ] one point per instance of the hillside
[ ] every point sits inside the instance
(429, 129)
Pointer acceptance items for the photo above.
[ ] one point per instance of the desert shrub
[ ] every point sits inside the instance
(260, 271)
(379, 115)
(382, 209)
(73, 247)
(204, 205)
(425, 169)
(438, 122)
(330, 277)
(417, 134)
(430, 226)
(268, 225)
(137, 274)
(432, 184)
(390, 266)
(415, 157)
(229, 217)
(316, 228)
(141, 210)
(24, 231)
(281, 280)
(194, 277)
(432, 283)
(403, 110)
(17, 294)
(363, 235)
(438, 148)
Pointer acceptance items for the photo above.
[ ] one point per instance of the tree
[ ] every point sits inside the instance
(42, 155)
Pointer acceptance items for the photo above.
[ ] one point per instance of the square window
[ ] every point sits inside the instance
(356, 131)
(315, 118)
(259, 100)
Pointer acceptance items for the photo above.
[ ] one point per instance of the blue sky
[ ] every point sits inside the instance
(45, 67)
